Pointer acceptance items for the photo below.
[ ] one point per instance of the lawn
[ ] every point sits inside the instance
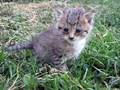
(98, 67)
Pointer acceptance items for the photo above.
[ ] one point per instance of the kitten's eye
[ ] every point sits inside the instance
(78, 30)
(65, 30)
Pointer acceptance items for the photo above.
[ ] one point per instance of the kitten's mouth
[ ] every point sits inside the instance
(71, 38)
(71, 41)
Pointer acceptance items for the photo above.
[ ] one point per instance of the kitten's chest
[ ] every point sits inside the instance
(79, 46)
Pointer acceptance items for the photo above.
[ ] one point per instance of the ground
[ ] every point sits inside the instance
(98, 67)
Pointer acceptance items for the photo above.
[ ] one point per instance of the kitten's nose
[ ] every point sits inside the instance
(71, 38)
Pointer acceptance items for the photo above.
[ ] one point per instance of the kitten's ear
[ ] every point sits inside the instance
(89, 16)
(58, 12)
(81, 8)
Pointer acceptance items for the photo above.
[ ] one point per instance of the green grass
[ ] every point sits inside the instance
(98, 67)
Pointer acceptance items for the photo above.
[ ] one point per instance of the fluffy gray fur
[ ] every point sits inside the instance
(55, 44)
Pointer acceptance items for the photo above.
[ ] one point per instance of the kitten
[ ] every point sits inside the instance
(63, 42)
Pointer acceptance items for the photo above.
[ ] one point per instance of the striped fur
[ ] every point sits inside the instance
(74, 16)
(63, 42)
(24, 45)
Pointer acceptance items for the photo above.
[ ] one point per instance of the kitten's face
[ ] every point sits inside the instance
(74, 24)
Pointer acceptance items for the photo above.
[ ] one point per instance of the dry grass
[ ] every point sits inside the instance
(33, 13)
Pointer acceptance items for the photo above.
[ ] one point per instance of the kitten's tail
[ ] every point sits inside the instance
(24, 45)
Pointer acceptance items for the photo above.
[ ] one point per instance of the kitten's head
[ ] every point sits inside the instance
(74, 24)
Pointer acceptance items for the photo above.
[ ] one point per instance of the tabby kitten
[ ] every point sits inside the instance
(64, 41)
